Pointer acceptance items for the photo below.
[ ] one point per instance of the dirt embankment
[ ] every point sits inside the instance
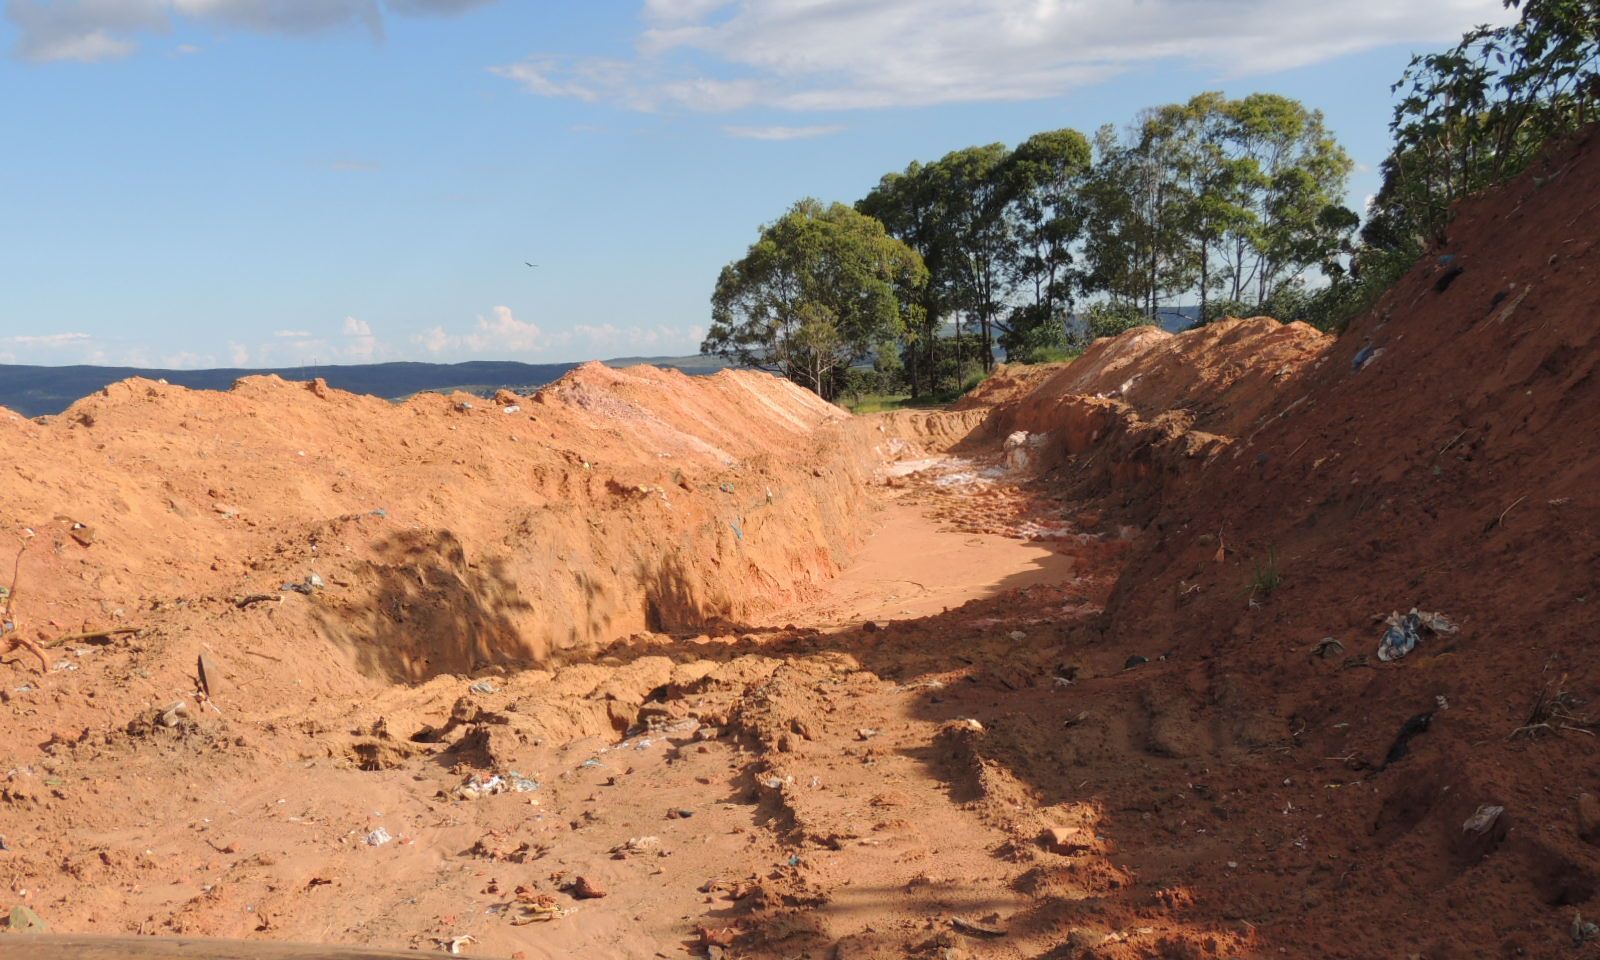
(1138, 411)
(441, 535)
(1443, 456)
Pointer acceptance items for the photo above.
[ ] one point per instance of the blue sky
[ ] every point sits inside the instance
(271, 182)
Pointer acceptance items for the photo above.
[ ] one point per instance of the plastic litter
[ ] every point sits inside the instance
(484, 687)
(1365, 355)
(24, 920)
(1583, 930)
(1405, 631)
(308, 586)
(477, 786)
(378, 837)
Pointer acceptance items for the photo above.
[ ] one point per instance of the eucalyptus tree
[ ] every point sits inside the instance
(822, 288)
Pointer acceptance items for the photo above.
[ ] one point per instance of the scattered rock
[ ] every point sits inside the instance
(586, 889)
(1589, 818)
(1484, 819)
(1134, 661)
(1067, 841)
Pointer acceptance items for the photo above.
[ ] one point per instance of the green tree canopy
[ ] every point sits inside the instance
(822, 288)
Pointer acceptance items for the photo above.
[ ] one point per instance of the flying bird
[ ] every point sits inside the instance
(530, 264)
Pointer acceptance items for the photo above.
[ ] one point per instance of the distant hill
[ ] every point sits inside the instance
(36, 391)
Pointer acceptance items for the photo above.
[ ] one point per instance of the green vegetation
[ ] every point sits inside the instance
(993, 247)
(822, 287)
(1468, 118)
(1230, 205)
(1267, 576)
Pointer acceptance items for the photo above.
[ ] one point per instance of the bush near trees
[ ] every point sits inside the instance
(1233, 205)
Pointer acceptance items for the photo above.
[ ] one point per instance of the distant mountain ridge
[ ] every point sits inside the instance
(37, 391)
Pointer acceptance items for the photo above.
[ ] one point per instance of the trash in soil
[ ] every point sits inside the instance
(1405, 631)
(378, 837)
(977, 928)
(24, 920)
(453, 945)
(1483, 819)
(477, 786)
(308, 586)
(1402, 741)
(534, 907)
(1327, 648)
(635, 846)
(1583, 930)
(484, 687)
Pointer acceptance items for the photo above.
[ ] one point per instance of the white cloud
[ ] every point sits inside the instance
(501, 333)
(292, 334)
(90, 30)
(782, 133)
(719, 55)
(360, 345)
(48, 339)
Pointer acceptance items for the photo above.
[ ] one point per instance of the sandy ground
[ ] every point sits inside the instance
(913, 565)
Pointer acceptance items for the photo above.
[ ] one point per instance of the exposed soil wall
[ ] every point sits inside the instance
(447, 532)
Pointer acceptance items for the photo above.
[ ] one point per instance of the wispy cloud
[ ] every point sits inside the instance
(48, 339)
(782, 132)
(91, 30)
(721, 55)
(501, 333)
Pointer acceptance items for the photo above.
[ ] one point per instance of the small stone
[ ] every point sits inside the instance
(1134, 661)
(1483, 819)
(1067, 840)
(869, 627)
(585, 889)
(1589, 818)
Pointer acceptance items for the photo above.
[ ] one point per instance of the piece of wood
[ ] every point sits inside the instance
(91, 635)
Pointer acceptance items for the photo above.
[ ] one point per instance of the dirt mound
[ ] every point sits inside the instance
(1007, 381)
(440, 535)
(1443, 457)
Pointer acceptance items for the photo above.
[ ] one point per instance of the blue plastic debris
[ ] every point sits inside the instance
(1405, 631)
(736, 531)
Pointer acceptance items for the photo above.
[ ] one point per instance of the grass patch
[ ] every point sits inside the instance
(882, 402)
(1267, 576)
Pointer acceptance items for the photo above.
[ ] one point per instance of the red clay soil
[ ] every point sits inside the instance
(758, 679)
(1455, 470)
